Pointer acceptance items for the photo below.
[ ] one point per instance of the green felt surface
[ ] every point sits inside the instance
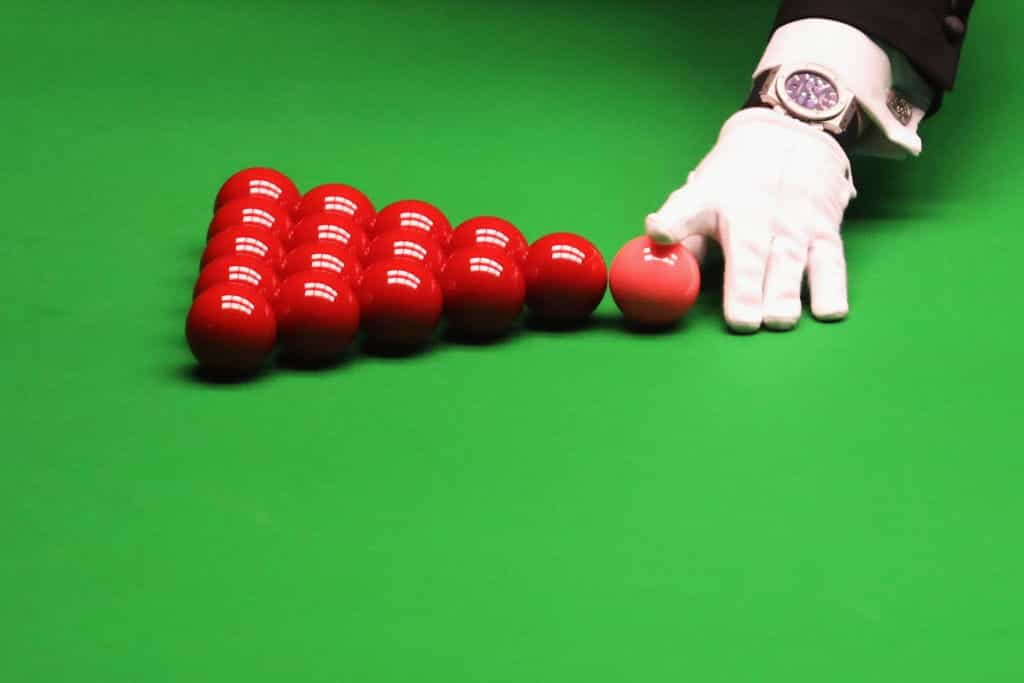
(840, 503)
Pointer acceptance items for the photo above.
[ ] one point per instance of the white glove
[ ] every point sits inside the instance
(772, 192)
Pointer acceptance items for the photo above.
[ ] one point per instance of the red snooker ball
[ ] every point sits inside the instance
(483, 291)
(317, 316)
(654, 285)
(408, 243)
(400, 303)
(245, 239)
(256, 211)
(337, 198)
(414, 214)
(566, 278)
(258, 182)
(242, 269)
(327, 255)
(493, 231)
(335, 227)
(231, 330)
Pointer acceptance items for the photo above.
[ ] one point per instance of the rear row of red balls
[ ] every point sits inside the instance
(307, 272)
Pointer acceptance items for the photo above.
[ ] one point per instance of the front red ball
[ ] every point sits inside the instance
(258, 182)
(336, 227)
(566, 278)
(241, 269)
(337, 198)
(400, 303)
(654, 285)
(408, 243)
(231, 330)
(414, 214)
(483, 290)
(245, 239)
(327, 255)
(317, 316)
(254, 211)
(493, 231)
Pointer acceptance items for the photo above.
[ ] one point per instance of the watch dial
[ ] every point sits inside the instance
(812, 91)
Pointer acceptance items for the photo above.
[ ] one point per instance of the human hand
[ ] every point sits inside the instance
(772, 192)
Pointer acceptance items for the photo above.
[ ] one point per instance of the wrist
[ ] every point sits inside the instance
(889, 114)
(846, 127)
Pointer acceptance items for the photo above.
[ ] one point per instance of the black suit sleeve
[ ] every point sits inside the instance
(929, 32)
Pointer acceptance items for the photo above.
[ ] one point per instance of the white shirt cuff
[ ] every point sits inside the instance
(873, 72)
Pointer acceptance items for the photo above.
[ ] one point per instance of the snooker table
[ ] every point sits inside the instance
(839, 503)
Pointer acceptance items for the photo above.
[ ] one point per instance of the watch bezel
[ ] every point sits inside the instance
(806, 113)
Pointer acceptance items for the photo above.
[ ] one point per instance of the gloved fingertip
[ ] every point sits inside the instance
(656, 228)
(832, 311)
(780, 323)
(743, 321)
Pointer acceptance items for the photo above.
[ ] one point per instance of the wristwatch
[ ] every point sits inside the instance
(812, 94)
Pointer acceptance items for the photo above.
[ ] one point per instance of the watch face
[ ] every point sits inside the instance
(812, 91)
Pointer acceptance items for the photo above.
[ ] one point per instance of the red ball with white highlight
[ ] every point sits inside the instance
(484, 291)
(337, 198)
(326, 255)
(245, 239)
(490, 231)
(242, 269)
(408, 243)
(328, 226)
(317, 316)
(231, 330)
(253, 211)
(414, 214)
(400, 303)
(566, 278)
(258, 182)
